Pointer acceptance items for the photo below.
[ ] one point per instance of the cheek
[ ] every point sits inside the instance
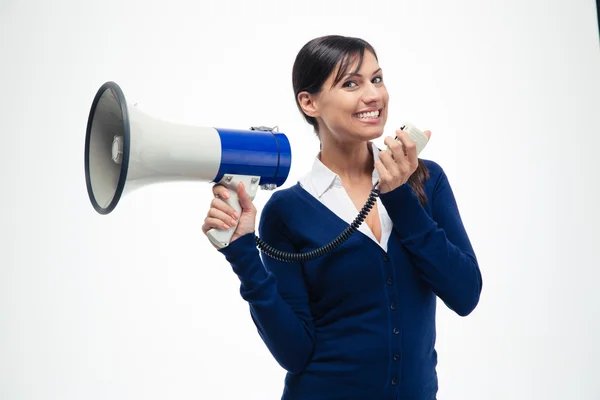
(342, 110)
(386, 99)
(385, 95)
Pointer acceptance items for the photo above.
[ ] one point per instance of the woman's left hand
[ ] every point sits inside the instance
(395, 170)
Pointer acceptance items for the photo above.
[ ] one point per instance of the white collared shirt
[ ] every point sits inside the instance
(326, 186)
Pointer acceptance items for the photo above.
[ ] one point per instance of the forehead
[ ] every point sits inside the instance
(367, 63)
(354, 64)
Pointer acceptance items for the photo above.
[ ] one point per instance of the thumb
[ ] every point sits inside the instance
(244, 198)
(428, 134)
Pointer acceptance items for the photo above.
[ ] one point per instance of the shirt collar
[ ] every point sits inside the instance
(323, 178)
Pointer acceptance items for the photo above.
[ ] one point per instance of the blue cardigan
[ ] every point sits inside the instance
(358, 323)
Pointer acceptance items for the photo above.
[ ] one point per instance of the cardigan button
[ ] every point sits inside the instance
(393, 305)
(386, 258)
(396, 331)
(394, 381)
(396, 357)
(390, 281)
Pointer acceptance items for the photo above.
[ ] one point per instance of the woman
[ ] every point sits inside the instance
(358, 322)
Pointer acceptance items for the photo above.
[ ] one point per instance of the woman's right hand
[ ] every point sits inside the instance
(222, 216)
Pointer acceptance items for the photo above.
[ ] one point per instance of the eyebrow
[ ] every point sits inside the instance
(359, 75)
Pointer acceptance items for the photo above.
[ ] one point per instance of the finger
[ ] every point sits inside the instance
(223, 206)
(388, 162)
(213, 223)
(409, 145)
(244, 198)
(396, 147)
(220, 215)
(384, 175)
(220, 191)
(428, 134)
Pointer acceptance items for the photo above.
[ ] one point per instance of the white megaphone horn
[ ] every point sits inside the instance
(126, 149)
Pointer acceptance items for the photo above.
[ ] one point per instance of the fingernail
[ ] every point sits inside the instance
(232, 223)
(225, 226)
(226, 195)
(236, 215)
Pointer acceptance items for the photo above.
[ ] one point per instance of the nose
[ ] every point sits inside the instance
(372, 93)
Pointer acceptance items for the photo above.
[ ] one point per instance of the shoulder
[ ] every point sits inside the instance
(435, 170)
(274, 222)
(282, 196)
(278, 201)
(434, 167)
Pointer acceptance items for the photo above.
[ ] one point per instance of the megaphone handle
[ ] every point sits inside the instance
(222, 237)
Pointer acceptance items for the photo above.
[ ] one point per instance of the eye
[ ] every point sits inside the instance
(347, 84)
(378, 79)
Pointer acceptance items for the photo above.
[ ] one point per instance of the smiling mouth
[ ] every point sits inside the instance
(368, 115)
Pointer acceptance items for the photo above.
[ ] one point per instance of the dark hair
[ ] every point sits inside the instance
(317, 60)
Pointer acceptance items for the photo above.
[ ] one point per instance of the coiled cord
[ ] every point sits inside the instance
(338, 241)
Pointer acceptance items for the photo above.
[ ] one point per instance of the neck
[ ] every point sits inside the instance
(353, 162)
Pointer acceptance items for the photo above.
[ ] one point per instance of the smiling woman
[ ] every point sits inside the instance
(336, 76)
(313, 76)
(358, 322)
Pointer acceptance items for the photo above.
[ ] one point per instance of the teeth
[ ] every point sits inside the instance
(372, 114)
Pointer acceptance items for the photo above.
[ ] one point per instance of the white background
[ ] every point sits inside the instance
(138, 305)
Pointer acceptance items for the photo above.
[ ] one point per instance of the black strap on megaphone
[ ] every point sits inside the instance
(335, 243)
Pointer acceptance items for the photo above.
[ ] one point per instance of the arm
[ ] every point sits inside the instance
(439, 246)
(275, 292)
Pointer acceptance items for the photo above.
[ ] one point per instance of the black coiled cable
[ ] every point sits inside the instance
(311, 255)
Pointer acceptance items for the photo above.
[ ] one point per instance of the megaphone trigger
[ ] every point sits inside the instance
(221, 237)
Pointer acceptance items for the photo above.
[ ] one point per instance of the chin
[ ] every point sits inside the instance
(374, 131)
(375, 135)
(370, 134)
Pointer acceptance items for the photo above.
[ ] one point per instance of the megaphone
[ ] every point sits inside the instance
(126, 149)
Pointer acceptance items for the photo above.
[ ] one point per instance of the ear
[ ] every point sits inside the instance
(308, 105)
